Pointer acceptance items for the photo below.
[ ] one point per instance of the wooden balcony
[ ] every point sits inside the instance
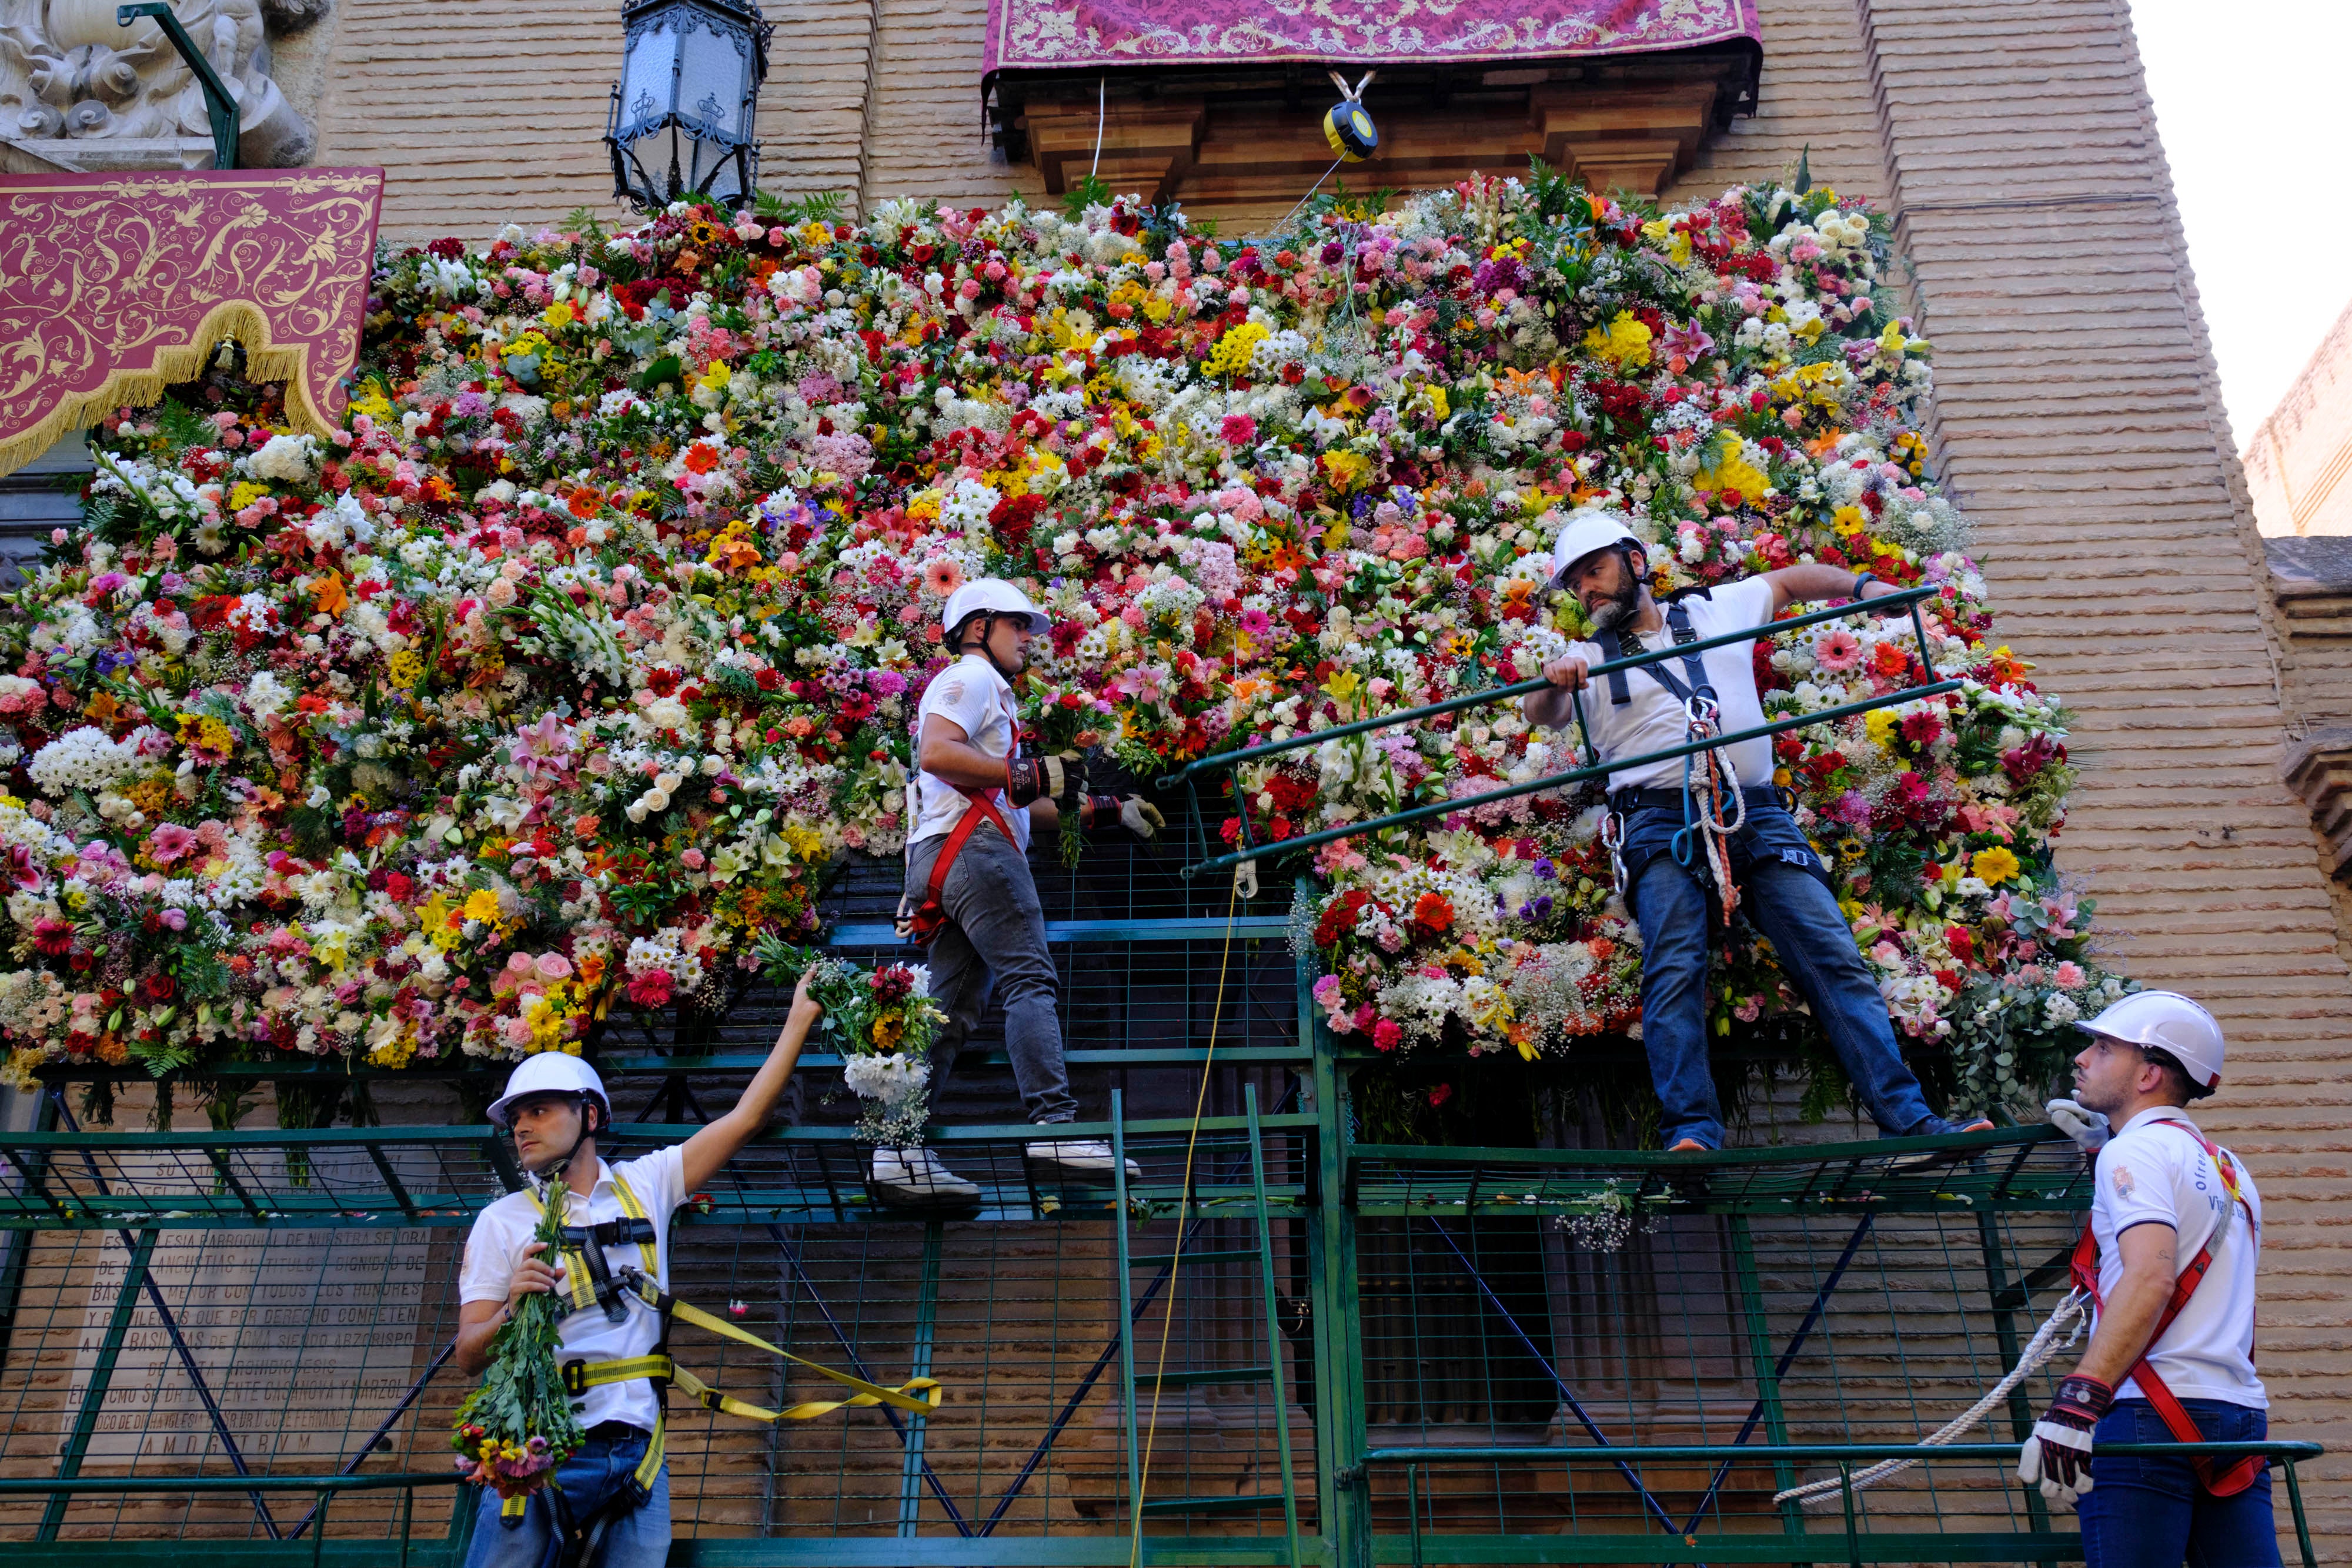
(1241, 146)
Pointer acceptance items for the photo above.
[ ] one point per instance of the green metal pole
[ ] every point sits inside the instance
(927, 1314)
(2294, 1506)
(220, 108)
(102, 1374)
(2004, 1329)
(1344, 1489)
(1273, 1327)
(1126, 1308)
(1767, 1377)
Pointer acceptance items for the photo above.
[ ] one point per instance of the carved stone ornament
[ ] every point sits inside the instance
(78, 92)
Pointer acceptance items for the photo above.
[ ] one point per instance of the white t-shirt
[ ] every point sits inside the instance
(1652, 717)
(2149, 1174)
(494, 1246)
(974, 695)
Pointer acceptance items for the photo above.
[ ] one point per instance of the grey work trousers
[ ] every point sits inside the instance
(995, 936)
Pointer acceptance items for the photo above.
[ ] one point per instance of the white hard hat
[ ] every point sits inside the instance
(2171, 1023)
(1588, 529)
(993, 594)
(551, 1073)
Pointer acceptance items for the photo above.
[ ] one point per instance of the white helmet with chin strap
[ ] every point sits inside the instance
(551, 1073)
(2171, 1023)
(987, 599)
(1588, 530)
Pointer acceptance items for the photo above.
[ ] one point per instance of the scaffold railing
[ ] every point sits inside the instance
(234, 1346)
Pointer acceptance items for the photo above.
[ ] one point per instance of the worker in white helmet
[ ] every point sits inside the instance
(2168, 1260)
(612, 1495)
(1774, 875)
(970, 896)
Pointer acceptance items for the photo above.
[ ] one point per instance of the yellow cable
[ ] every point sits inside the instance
(1176, 1259)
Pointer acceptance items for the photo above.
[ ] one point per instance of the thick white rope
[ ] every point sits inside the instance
(2073, 1312)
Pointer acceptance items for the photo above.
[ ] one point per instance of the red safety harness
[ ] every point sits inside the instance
(2214, 1478)
(924, 921)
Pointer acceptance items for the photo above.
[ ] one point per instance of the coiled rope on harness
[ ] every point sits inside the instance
(2070, 1318)
(1713, 808)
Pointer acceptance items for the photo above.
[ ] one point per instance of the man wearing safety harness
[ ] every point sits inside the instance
(2168, 1262)
(612, 1495)
(970, 896)
(1682, 881)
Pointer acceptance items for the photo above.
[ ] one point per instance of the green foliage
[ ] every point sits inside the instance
(1089, 191)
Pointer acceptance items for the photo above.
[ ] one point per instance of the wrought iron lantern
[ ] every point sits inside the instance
(684, 112)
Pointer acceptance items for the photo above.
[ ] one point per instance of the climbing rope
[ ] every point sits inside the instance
(2071, 1317)
(1705, 798)
(1184, 1196)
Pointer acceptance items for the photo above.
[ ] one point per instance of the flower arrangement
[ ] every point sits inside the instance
(553, 682)
(513, 1430)
(884, 1021)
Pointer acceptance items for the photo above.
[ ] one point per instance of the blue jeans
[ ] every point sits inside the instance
(995, 938)
(637, 1539)
(1784, 896)
(2140, 1512)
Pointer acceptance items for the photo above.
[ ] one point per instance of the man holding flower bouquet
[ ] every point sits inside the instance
(969, 896)
(610, 1493)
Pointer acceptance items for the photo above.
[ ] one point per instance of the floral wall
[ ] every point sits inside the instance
(559, 679)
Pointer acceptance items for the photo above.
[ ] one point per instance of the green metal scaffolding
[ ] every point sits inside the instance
(232, 1346)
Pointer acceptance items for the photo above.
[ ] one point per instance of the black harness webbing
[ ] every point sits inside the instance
(1612, 648)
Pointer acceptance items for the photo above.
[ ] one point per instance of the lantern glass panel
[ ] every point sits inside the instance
(649, 76)
(713, 76)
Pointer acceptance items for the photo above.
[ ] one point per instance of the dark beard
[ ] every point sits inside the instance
(1622, 606)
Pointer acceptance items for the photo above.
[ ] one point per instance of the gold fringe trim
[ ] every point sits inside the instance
(239, 318)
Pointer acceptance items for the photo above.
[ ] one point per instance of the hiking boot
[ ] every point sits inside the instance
(1081, 1156)
(916, 1176)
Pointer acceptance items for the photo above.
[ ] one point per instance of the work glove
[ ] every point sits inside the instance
(1133, 812)
(2088, 1128)
(2058, 1454)
(1028, 778)
(1245, 880)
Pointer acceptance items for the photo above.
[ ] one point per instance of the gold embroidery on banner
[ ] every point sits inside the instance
(113, 288)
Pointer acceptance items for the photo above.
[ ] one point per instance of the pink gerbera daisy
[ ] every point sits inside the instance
(1838, 652)
(941, 576)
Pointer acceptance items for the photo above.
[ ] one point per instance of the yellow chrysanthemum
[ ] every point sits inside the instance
(1232, 355)
(1624, 342)
(481, 904)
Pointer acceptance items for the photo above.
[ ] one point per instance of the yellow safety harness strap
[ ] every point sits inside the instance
(919, 1395)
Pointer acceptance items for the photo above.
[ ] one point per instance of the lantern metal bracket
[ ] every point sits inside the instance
(220, 107)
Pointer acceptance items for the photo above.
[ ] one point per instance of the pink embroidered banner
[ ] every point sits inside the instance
(1063, 35)
(114, 286)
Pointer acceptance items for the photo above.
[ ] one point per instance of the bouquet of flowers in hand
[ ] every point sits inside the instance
(884, 1021)
(512, 1431)
(1069, 722)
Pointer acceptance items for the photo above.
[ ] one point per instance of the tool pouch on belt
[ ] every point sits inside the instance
(919, 921)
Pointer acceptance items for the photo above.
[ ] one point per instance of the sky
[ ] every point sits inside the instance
(2247, 104)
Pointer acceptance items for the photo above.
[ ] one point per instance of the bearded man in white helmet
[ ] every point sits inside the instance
(2169, 1260)
(613, 1496)
(1785, 888)
(969, 898)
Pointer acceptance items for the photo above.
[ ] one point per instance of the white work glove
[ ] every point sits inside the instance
(1140, 817)
(2058, 1454)
(2086, 1127)
(1245, 880)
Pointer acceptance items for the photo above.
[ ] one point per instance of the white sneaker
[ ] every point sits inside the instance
(916, 1175)
(1083, 1156)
